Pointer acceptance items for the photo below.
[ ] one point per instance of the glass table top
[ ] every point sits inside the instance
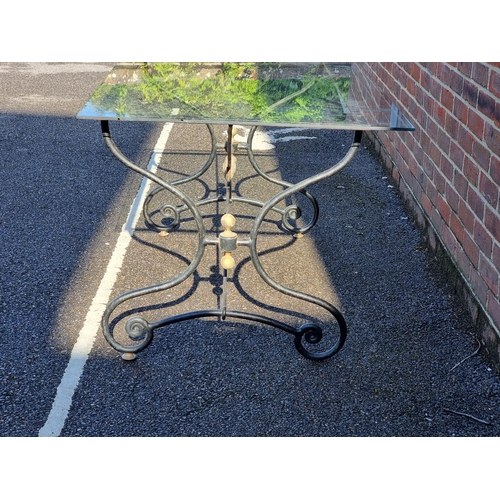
(319, 95)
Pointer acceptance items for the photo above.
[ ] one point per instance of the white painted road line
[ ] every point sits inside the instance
(81, 350)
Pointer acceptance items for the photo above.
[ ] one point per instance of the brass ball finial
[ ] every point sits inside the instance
(228, 221)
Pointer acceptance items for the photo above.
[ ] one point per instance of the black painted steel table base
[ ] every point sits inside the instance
(141, 332)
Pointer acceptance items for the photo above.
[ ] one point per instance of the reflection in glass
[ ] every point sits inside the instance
(312, 94)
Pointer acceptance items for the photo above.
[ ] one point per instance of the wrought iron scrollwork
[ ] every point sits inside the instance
(171, 212)
(306, 337)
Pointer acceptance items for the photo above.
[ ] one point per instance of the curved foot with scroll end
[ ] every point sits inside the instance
(310, 335)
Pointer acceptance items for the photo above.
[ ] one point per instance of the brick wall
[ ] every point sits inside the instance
(448, 170)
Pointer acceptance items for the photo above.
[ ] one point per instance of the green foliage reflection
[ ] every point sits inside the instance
(270, 92)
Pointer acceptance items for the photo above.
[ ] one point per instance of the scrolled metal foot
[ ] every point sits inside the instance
(312, 334)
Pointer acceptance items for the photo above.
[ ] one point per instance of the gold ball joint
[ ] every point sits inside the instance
(228, 242)
(228, 221)
(227, 262)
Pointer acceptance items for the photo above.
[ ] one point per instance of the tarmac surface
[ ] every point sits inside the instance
(406, 368)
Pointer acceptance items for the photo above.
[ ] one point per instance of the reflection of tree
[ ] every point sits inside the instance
(272, 92)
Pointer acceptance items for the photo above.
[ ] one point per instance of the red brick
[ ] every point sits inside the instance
(439, 181)
(476, 203)
(465, 68)
(483, 238)
(425, 141)
(456, 227)
(415, 72)
(492, 138)
(460, 110)
(449, 239)
(447, 99)
(419, 95)
(444, 142)
(480, 73)
(413, 166)
(435, 154)
(451, 125)
(425, 78)
(462, 260)
(426, 203)
(496, 256)
(457, 155)
(447, 168)
(418, 152)
(479, 286)
(434, 67)
(443, 208)
(489, 190)
(435, 89)
(489, 274)
(432, 130)
(444, 73)
(428, 166)
(481, 155)
(475, 122)
(456, 82)
(437, 220)
(494, 85)
(486, 105)
(466, 216)
(471, 171)
(440, 115)
(452, 197)
(410, 86)
(495, 169)
(470, 92)
(492, 223)
(429, 103)
(471, 249)
(461, 184)
(465, 139)
(405, 98)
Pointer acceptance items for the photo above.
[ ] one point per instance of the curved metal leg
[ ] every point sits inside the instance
(312, 333)
(136, 328)
(171, 211)
(292, 212)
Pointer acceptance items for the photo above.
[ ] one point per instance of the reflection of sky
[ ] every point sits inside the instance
(91, 111)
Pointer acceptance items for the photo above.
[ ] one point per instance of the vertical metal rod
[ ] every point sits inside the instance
(227, 173)
(224, 295)
(228, 180)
